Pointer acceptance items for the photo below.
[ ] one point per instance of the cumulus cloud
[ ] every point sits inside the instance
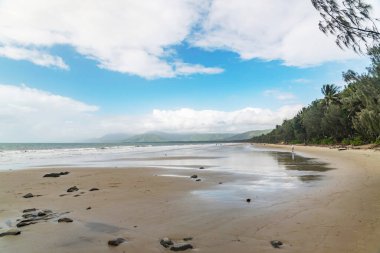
(28, 114)
(127, 36)
(139, 37)
(270, 30)
(245, 119)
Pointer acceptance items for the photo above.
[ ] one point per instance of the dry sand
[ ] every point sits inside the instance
(141, 206)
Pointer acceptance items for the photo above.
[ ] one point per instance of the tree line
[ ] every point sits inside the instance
(348, 116)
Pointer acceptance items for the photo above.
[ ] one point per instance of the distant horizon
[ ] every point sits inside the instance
(130, 135)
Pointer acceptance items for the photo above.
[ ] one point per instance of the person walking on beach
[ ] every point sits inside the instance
(292, 148)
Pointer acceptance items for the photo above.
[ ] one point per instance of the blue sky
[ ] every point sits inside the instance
(212, 67)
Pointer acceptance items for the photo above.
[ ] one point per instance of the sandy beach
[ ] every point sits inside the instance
(144, 205)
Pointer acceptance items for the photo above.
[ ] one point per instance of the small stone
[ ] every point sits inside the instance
(56, 174)
(220, 182)
(181, 246)
(198, 180)
(276, 244)
(94, 189)
(25, 223)
(194, 176)
(11, 232)
(248, 200)
(188, 239)
(88, 208)
(73, 189)
(29, 210)
(116, 242)
(77, 195)
(52, 175)
(201, 168)
(28, 195)
(166, 242)
(67, 220)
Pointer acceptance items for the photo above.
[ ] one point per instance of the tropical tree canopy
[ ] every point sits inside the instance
(350, 116)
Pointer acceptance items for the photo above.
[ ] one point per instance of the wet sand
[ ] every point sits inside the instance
(342, 214)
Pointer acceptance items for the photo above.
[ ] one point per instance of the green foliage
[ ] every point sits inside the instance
(327, 141)
(357, 141)
(346, 141)
(350, 116)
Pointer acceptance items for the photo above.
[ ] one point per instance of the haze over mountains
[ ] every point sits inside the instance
(176, 137)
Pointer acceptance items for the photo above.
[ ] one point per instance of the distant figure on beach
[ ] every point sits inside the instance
(292, 148)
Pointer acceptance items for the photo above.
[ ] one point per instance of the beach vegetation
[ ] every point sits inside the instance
(349, 116)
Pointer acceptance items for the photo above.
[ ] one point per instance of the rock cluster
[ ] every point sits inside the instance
(32, 216)
(176, 246)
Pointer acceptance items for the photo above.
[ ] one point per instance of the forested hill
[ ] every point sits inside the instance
(347, 116)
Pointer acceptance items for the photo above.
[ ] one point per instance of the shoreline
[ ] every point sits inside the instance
(342, 215)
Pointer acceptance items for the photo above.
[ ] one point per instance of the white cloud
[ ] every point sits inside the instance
(139, 37)
(279, 95)
(127, 36)
(28, 114)
(270, 30)
(38, 57)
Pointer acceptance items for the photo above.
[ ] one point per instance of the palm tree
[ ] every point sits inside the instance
(330, 91)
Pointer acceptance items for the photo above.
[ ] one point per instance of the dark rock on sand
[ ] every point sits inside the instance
(28, 195)
(11, 232)
(77, 195)
(276, 244)
(25, 223)
(88, 208)
(166, 242)
(73, 189)
(198, 180)
(188, 239)
(67, 220)
(248, 200)
(116, 242)
(94, 189)
(52, 175)
(201, 168)
(56, 174)
(29, 210)
(194, 176)
(181, 246)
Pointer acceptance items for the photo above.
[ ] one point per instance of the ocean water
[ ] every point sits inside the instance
(248, 170)
(229, 158)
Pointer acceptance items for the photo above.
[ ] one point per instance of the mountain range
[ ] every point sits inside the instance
(176, 137)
